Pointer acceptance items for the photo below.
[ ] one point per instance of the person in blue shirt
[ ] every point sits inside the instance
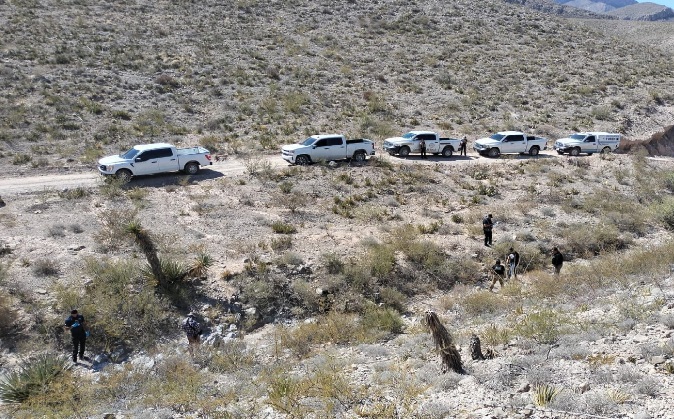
(75, 323)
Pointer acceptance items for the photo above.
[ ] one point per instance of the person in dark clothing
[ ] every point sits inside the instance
(557, 260)
(422, 148)
(497, 272)
(462, 146)
(75, 323)
(487, 225)
(513, 260)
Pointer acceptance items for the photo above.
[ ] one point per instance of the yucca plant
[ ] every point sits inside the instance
(200, 265)
(32, 377)
(545, 394)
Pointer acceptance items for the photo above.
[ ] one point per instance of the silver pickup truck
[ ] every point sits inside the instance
(409, 143)
(326, 148)
(148, 159)
(510, 142)
(588, 142)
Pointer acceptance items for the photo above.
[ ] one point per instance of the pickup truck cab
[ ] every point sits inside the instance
(149, 159)
(327, 148)
(510, 142)
(409, 143)
(588, 142)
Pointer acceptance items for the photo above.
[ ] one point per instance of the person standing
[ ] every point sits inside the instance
(487, 226)
(513, 260)
(193, 331)
(75, 323)
(497, 273)
(557, 260)
(422, 147)
(462, 146)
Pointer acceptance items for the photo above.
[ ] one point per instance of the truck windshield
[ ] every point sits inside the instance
(129, 154)
(408, 136)
(577, 137)
(497, 137)
(308, 141)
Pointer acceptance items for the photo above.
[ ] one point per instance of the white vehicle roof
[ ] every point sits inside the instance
(143, 147)
(423, 132)
(511, 133)
(321, 136)
(597, 133)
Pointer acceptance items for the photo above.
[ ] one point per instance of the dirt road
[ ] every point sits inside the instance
(29, 184)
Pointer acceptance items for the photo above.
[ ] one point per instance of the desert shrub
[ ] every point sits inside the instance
(280, 227)
(8, 314)
(393, 298)
(75, 193)
(229, 356)
(493, 335)
(380, 260)
(484, 302)
(333, 263)
(290, 258)
(587, 240)
(45, 267)
(382, 321)
(545, 327)
(121, 307)
(57, 231)
(545, 394)
(33, 377)
(665, 211)
(281, 243)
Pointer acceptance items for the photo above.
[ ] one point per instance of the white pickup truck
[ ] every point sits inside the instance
(327, 148)
(510, 142)
(149, 159)
(588, 142)
(409, 143)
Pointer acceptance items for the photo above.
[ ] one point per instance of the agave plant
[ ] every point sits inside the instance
(545, 394)
(32, 377)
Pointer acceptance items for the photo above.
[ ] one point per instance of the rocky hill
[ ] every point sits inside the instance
(643, 11)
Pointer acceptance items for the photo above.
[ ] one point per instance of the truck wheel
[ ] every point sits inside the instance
(123, 175)
(192, 168)
(404, 151)
(494, 152)
(533, 151)
(359, 157)
(605, 150)
(302, 160)
(447, 151)
(574, 151)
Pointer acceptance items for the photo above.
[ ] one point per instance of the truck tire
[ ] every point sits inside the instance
(191, 168)
(404, 151)
(359, 156)
(533, 151)
(605, 150)
(494, 152)
(447, 151)
(574, 152)
(302, 160)
(124, 175)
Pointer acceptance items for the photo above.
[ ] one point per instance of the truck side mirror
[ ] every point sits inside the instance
(137, 159)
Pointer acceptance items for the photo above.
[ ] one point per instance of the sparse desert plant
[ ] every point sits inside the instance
(8, 314)
(45, 267)
(545, 394)
(282, 243)
(333, 263)
(57, 231)
(33, 377)
(75, 193)
(545, 327)
(279, 227)
(484, 302)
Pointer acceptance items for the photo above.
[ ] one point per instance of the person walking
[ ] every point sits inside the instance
(497, 272)
(193, 331)
(76, 324)
(557, 260)
(513, 260)
(422, 148)
(462, 146)
(487, 226)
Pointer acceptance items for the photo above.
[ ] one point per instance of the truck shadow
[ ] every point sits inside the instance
(167, 179)
(437, 159)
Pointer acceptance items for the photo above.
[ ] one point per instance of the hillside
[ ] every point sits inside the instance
(116, 73)
(313, 284)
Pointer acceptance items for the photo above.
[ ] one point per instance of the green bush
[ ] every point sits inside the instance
(121, 307)
(590, 240)
(545, 327)
(333, 263)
